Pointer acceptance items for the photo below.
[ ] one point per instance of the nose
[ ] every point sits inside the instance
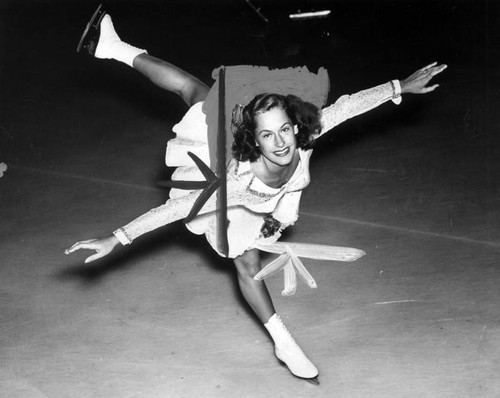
(279, 141)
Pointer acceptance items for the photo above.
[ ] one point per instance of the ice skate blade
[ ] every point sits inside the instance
(90, 36)
(313, 380)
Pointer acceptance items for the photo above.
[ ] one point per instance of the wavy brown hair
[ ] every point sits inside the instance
(304, 115)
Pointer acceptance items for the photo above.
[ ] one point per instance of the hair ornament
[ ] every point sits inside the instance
(236, 117)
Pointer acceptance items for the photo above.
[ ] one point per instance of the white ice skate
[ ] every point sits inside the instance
(101, 40)
(288, 351)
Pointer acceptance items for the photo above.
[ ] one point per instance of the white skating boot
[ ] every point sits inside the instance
(287, 351)
(101, 40)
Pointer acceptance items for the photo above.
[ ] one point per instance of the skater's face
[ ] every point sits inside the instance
(275, 136)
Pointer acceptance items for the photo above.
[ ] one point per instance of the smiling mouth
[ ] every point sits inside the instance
(283, 152)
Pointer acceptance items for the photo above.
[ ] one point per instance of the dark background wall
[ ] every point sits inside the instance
(46, 87)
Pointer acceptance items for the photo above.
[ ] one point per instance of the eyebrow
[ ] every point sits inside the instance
(270, 131)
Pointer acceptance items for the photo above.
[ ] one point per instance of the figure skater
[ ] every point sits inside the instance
(273, 137)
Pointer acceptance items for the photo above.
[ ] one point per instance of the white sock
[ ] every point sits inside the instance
(110, 46)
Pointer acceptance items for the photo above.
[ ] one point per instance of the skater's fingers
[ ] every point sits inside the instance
(428, 66)
(429, 89)
(438, 69)
(85, 244)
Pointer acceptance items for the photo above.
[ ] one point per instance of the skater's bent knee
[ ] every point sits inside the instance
(248, 264)
(193, 91)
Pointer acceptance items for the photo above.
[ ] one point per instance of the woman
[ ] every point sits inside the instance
(269, 169)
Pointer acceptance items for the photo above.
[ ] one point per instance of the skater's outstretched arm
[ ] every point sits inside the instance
(171, 211)
(349, 106)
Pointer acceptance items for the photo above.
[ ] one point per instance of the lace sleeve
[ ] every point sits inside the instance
(348, 106)
(178, 208)
(238, 194)
(171, 211)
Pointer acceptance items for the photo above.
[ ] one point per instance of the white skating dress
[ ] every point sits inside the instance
(249, 199)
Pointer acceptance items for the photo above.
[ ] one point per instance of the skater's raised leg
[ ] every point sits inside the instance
(103, 42)
(171, 78)
(257, 296)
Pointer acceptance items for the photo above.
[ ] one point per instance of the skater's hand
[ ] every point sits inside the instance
(102, 246)
(417, 82)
